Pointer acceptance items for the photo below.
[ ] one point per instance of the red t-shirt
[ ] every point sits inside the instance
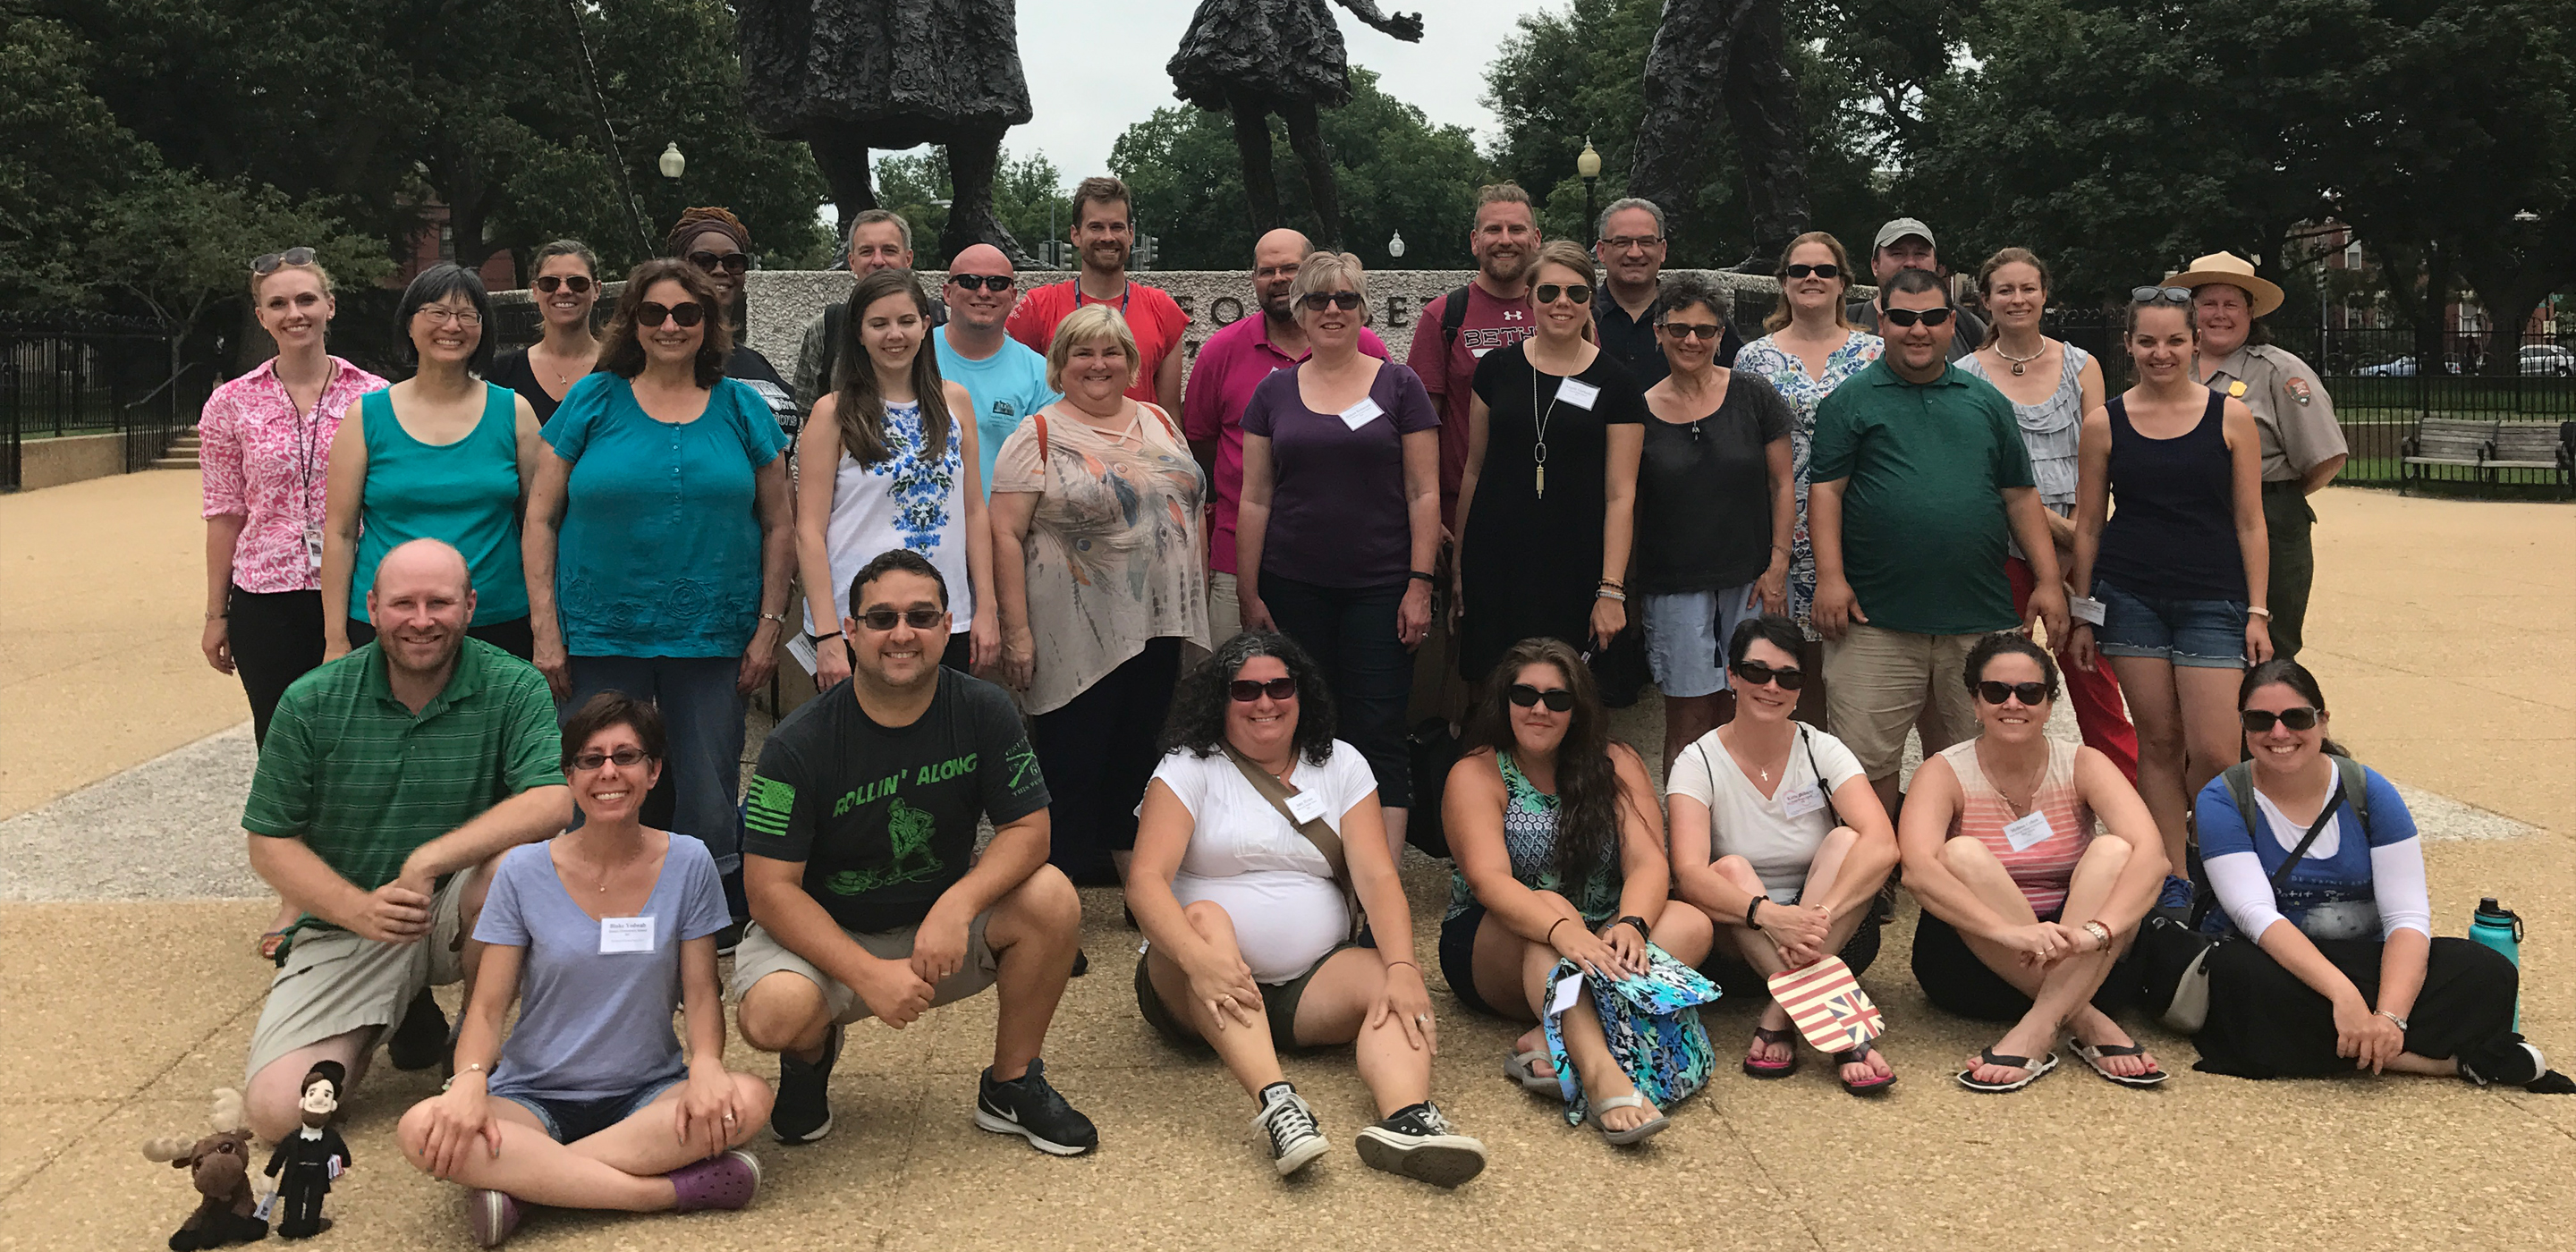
(1490, 323)
(1152, 316)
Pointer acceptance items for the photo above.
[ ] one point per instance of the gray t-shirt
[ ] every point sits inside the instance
(593, 1025)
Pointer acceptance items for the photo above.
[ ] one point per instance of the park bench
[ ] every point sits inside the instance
(2543, 446)
(2440, 441)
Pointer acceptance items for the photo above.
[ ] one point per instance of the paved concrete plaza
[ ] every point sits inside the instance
(2442, 634)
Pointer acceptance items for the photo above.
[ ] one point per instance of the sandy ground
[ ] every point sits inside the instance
(2441, 631)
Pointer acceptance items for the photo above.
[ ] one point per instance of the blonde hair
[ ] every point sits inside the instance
(1779, 319)
(1573, 256)
(1329, 272)
(1090, 324)
(329, 291)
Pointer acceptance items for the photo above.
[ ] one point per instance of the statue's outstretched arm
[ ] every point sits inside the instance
(1404, 26)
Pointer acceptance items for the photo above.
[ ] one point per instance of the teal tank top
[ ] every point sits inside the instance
(466, 493)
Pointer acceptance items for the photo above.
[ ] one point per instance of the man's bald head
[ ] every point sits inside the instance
(420, 605)
(430, 561)
(971, 299)
(1275, 259)
(982, 258)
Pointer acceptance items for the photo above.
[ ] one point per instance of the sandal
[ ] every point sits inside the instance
(2032, 1071)
(1638, 1133)
(2092, 1056)
(1876, 1084)
(1522, 1068)
(1773, 1038)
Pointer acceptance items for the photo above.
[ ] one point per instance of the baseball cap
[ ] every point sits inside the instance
(1900, 228)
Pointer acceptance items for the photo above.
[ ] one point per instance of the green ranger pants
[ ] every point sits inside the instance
(2294, 562)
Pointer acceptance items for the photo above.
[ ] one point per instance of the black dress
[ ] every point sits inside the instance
(1533, 559)
(511, 370)
(902, 72)
(1273, 49)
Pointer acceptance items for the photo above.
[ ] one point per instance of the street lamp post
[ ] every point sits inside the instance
(672, 164)
(1395, 245)
(1588, 167)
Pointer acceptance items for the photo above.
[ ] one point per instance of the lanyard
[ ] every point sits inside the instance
(1124, 291)
(307, 431)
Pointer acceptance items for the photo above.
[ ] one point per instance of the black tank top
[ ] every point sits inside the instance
(2172, 531)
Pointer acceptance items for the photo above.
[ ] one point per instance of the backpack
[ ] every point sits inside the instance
(1453, 318)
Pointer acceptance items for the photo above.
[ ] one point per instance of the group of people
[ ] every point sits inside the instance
(1162, 632)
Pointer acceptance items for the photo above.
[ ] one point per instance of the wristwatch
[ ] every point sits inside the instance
(1636, 921)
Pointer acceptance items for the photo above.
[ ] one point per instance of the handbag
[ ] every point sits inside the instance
(1315, 829)
(2176, 953)
(1651, 1022)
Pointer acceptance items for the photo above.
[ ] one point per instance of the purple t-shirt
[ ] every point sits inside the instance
(1337, 511)
(594, 1025)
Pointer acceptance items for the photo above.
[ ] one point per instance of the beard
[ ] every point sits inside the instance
(1506, 267)
(315, 1121)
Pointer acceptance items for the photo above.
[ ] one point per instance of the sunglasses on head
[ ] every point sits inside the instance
(270, 263)
(1908, 317)
(573, 283)
(1549, 293)
(2258, 721)
(1756, 673)
(729, 262)
(2030, 694)
(1317, 301)
(1826, 270)
(686, 313)
(626, 758)
(2160, 295)
(1247, 690)
(883, 620)
(986, 282)
(1558, 699)
(1686, 330)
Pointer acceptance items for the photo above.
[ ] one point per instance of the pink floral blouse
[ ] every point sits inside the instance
(267, 463)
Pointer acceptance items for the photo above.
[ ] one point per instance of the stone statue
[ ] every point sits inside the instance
(1254, 58)
(1730, 51)
(848, 76)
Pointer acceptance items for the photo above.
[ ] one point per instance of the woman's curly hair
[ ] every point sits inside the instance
(1197, 721)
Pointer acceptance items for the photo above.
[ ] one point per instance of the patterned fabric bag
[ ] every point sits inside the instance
(1652, 1022)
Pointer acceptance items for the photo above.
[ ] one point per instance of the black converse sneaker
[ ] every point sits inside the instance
(1294, 1137)
(1418, 1142)
(802, 1113)
(1030, 1108)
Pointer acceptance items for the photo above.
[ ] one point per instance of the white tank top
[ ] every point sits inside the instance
(904, 501)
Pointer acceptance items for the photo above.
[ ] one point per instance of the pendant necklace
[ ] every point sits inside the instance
(2019, 361)
(1538, 450)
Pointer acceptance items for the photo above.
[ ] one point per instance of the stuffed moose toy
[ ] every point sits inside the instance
(219, 1166)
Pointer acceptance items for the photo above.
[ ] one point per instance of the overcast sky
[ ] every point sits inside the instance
(1097, 68)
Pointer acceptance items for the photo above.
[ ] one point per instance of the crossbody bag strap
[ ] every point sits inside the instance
(2334, 803)
(1824, 790)
(1316, 831)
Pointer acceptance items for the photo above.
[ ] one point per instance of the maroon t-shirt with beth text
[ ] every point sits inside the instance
(1450, 377)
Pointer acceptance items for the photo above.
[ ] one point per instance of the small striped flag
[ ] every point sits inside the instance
(1830, 1009)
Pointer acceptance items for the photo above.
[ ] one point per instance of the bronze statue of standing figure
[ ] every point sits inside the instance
(1253, 58)
(1726, 54)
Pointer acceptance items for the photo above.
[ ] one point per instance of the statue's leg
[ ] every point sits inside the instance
(1306, 137)
(1685, 68)
(1252, 145)
(973, 161)
(843, 157)
(1770, 133)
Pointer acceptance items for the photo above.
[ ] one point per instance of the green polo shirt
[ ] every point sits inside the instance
(364, 781)
(1923, 510)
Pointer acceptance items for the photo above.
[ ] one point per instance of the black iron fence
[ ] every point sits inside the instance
(65, 376)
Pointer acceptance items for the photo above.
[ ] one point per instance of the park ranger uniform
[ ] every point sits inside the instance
(2297, 419)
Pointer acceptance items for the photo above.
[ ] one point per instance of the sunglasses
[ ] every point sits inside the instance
(573, 283)
(1558, 699)
(984, 282)
(2030, 694)
(270, 263)
(729, 262)
(2258, 721)
(1908, 317)
(626, 758)
(1684, 330)
(1317, 301)
(883, 620)
(1826, 270)
(686, 313)
(2160, 295)
(1755, 673)
(1548, 293)
(1247, 690)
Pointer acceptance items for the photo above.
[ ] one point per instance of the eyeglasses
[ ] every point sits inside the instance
(2258, 721)
(2159, 295)
(2030, 694)
(442, 315)
(1826, 270)
(729, 262)
(573, 283)
(626, 758)
(985, 282)
(1908, 317)
(1318, 301)
(883, 620)
(686, 313)
(1621, 243)
(267, 265)
(1247, 690)
(1558, 699)
(1549, 293)
(1684, 330)
(1755, 673)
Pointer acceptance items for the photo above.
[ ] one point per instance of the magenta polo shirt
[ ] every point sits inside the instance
(1230, 364)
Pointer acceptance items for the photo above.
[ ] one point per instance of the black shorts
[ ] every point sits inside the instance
(1458, 958)
(1736, 978)
(1957, 982)
(1278, 1004)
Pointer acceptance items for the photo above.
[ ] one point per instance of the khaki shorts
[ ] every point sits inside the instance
(334, 982)
(1225, 610)
(761, 955)
(1876, 682)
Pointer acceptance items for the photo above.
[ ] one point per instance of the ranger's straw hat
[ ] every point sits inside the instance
(2227, 267)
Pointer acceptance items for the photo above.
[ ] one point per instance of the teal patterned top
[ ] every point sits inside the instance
(1529, 836)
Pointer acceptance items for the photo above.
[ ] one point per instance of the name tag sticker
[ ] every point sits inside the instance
(1577, 392)
(1306, 806)
(2027, 830)
(1361, 414)
(1801, 800)
(313, 547)
(625, 934)
(1565, 993)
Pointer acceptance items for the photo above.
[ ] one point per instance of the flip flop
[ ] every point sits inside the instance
(2092, 1056)
(1522, 1068)
(2033, 1071)
(269, 942)
(1873, 1085)
(1635, 1134)
(1773, 1069)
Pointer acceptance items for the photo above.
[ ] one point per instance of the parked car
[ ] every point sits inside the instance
(2402, 367)
(2548, 359)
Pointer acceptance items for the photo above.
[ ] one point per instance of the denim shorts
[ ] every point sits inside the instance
(569, 1121)
(2207, 634)
(1686, 637)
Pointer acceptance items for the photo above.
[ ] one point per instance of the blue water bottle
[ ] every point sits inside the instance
(2500, 928)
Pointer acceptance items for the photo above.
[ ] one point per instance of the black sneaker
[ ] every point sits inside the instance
(1295, 1139)
(802, 1113)
(421, 1040)
(1026, 1106)
(729, 938)
(1081, 963)
(1419, 1143)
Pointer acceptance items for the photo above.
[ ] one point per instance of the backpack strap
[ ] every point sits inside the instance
(836, 323)
(1168, 423)
(2240, 788)
(1040, 418)
(1453, 317)
(2356, 790)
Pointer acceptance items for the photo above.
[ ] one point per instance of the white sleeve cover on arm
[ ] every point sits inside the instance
(2397, 879)
(2245, 891)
